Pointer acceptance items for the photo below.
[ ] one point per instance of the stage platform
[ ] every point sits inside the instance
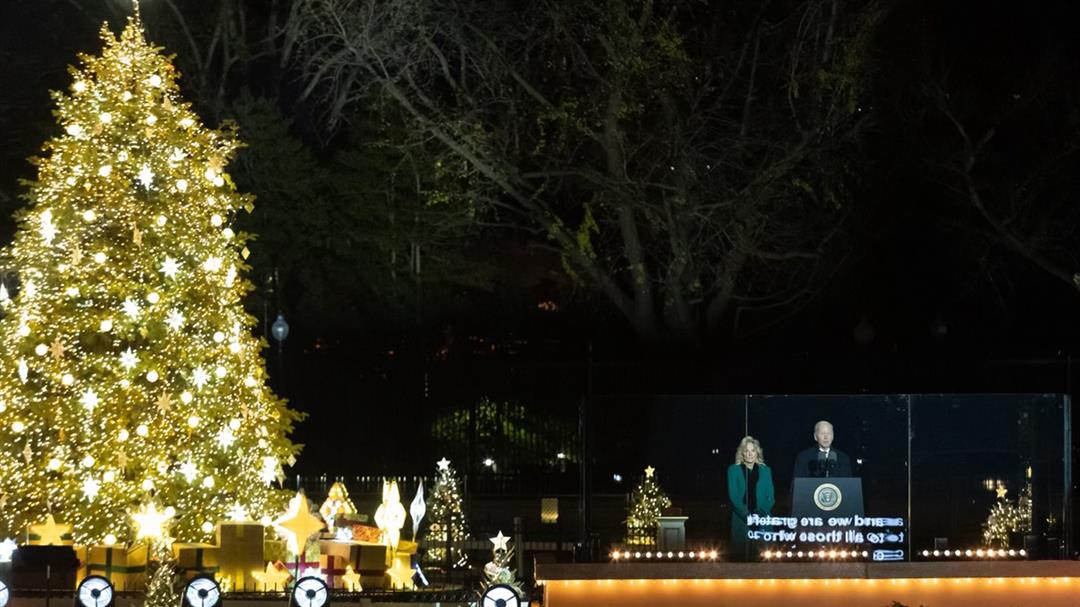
(711, 584)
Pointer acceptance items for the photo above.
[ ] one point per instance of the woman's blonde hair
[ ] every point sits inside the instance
(749, 440)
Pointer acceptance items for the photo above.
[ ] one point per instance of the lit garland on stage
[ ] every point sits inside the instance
(128, 370)
(705, 554)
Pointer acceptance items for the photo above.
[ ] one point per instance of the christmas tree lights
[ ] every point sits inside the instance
(128, 370)
(647, 502)
(1006, 518)
(447, 526)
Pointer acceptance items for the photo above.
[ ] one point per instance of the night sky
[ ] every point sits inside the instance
(923, 277)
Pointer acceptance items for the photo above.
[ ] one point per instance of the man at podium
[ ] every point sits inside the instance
(822, 460)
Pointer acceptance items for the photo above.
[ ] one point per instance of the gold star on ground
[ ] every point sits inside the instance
(57, 348)
(298, 524)
(50, 533)
(164, 402)
(352, 580)
(272, 578)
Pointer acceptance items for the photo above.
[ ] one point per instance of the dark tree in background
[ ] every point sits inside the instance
(693, 166)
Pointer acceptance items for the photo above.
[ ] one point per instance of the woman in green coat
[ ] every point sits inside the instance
(750, 488)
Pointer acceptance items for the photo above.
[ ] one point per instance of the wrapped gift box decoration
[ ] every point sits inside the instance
(138, 556)
(193, 559)
(114, 564)
(333, 567)
(366, 533)
(373, 563)
(275, 550)
(346, 550)
(240, 552)
(82, 553)
(40, 567)
(298, 568)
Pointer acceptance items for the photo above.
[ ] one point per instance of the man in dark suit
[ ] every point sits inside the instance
(822, 460)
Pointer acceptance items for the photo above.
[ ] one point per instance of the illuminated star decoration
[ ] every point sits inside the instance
(499, 541)
(199, 377)
(1001, 491)
(90, 488)
(298, 524)
(89, 400)
(238, 513)
(444, 464)
(128, 359)
(164, 402)
(57, 348)
(225, 438)
(170, 267)
(50, 533)
(351, 579)
(150, 522)
(146, 176)
(175, 320)
(28, 453)
(7, 548)
(131, 308)
(649, 471)
(271, 578)
(189, 471)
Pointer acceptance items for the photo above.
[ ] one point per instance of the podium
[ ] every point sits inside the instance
(827, 496)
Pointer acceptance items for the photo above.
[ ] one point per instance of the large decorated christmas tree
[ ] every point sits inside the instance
(129, 375)
(447, 526)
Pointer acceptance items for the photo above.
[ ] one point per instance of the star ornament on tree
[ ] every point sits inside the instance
(50, 533)
(164, 402)
(649, 470)
(499, 541)
(444, 464)
(298, 524)
(150, 522)
(1001, 491)
(57, 348)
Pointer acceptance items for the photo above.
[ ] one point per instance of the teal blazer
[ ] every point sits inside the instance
(736, 484)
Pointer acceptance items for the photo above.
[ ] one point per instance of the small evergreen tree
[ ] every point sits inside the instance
(1007, 517)
(647, 501)
(448, 524)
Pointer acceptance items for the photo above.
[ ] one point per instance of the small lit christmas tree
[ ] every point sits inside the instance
(498, 570)
(647, 502)
(1007, 517)
(128, 369)
(448, 524)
